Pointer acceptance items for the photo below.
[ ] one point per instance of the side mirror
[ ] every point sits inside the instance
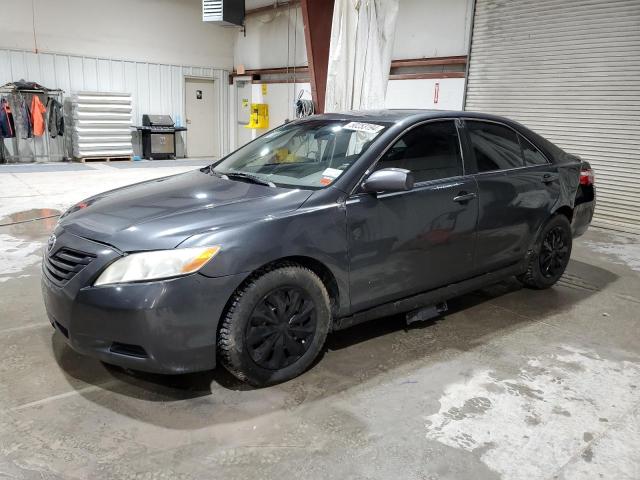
(388, 180)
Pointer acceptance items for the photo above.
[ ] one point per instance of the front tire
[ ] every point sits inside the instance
(275, 326)
(550, 255)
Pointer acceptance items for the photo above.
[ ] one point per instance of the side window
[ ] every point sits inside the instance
(532, 155)
(496, 147)
(431, 151)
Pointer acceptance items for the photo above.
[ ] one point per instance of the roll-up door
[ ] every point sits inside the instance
(571, 72)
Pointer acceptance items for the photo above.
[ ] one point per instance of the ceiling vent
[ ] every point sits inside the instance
(223, 12)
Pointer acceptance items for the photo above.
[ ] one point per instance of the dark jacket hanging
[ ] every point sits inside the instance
(23, 116)
(56, 118)
(7, 127)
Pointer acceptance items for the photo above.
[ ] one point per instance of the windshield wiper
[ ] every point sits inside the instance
(209, 169)
(251, 178)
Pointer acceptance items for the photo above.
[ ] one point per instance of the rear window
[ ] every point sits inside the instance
(532, 155)
(495, 146)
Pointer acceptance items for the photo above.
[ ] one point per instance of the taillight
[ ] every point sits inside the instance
(586, 176)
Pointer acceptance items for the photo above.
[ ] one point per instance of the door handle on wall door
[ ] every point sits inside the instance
(464, 197)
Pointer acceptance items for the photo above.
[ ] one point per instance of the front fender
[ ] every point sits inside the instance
(317, 232)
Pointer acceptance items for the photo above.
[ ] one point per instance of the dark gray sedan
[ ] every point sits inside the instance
(316, 226)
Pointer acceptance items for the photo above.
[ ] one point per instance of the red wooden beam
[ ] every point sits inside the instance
(405, 63)
(427, 62)
(419, 76)
(317, 16)
(274, 71)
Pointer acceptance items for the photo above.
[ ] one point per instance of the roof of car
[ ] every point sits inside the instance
(411, 116)
(397, 116)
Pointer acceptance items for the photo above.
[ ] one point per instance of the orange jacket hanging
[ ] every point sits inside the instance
(38, 111)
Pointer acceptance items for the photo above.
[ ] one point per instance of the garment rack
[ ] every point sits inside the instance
(11, 92)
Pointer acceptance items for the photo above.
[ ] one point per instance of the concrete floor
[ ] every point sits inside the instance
(511, 383)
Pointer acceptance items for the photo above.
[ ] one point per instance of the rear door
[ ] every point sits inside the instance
(402, 243)
(517, 189)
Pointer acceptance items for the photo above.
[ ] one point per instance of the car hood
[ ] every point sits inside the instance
(162, 213)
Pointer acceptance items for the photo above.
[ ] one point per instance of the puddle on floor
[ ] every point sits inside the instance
(34, 224)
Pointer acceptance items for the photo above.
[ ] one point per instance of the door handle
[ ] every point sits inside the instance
(548, 178)
(464, 197)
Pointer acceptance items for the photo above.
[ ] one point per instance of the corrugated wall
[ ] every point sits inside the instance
(570, 71)
(155, 88)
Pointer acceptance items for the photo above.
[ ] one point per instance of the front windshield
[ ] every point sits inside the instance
(311, 154)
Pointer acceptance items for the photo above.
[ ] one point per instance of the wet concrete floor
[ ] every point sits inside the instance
(511, 383)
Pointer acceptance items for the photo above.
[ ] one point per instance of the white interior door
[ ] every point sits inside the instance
(201, 105)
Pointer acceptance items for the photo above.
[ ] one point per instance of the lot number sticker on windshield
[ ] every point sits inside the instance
(363, 127)
(324, 181)
(331, 173)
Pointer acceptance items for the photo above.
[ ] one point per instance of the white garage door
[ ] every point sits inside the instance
(571, 72)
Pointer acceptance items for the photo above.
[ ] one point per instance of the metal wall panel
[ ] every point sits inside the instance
(570, 71)
(155, 88)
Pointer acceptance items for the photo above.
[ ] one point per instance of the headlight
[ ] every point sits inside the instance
(138, 267)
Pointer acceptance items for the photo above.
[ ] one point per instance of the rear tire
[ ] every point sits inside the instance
(275, 326)
(551, 254)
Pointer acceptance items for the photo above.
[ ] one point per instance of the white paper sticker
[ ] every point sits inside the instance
(332, 172)
(363, 127)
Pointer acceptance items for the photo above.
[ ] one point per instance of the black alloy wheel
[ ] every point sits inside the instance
(549, 256)
(281, 328)
(276, 325)
(554, 254)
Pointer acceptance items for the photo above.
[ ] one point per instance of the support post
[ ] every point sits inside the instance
(317, 16)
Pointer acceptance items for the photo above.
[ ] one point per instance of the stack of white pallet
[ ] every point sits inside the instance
(101, 126)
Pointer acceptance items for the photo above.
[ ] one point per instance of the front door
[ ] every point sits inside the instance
(201, 108)
(403, 243)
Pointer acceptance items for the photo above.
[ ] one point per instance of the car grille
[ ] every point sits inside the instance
(63, 265)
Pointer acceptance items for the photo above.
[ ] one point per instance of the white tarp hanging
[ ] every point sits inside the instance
(360, 54)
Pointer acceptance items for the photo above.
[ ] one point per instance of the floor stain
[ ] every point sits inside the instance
(587, 455)
(561, 411)
(31, 224)
(17, 255)
(473, 406)
(532, 420)
(472, 415)
(523, 390)
(624, 251)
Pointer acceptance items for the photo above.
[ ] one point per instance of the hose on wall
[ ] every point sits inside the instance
(304, 107)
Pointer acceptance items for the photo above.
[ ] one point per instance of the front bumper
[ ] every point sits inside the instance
(164, 326)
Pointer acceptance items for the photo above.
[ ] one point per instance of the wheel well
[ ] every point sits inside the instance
(319, 269)
(566, 211)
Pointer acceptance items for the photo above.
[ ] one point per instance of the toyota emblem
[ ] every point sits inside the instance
(51, 243)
